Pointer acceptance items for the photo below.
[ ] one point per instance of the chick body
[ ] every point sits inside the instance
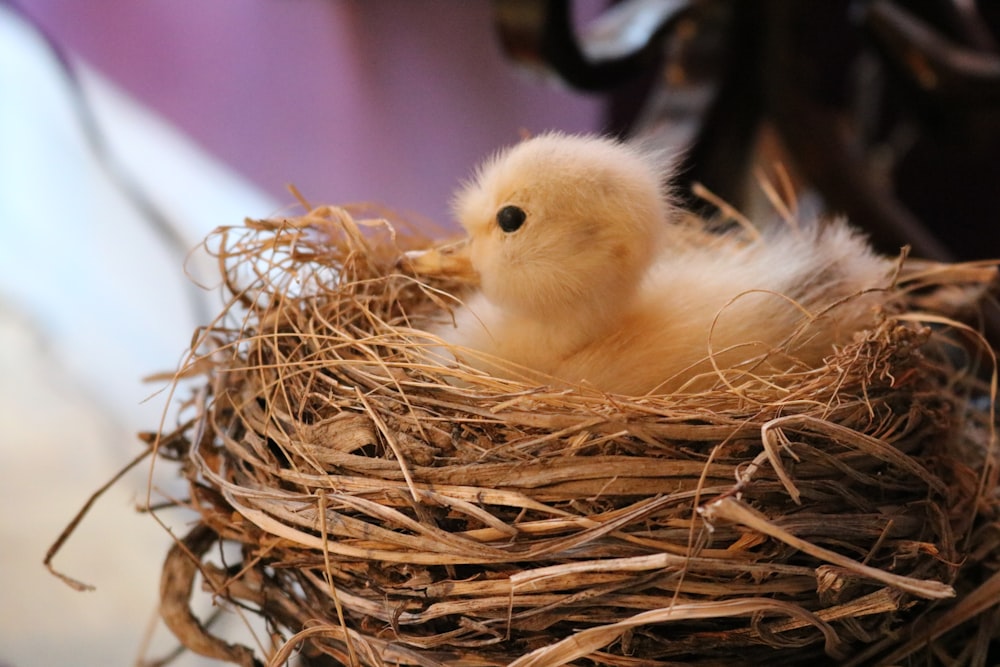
(585, 277)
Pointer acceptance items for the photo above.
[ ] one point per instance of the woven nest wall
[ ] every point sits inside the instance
(379, 509)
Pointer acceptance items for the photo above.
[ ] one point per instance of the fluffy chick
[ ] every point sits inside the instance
(586, 277)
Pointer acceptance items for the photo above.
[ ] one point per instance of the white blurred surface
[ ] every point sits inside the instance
(91, 300)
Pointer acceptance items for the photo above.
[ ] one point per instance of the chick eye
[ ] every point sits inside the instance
(510, 218)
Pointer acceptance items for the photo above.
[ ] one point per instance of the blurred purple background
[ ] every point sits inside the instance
(390, 101)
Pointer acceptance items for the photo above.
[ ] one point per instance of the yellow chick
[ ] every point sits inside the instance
(587, 277)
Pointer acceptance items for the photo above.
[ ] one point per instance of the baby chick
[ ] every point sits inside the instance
(586, 276)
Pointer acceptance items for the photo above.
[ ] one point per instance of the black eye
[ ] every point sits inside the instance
(510, 218)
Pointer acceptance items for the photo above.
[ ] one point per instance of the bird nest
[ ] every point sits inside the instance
(377, 507)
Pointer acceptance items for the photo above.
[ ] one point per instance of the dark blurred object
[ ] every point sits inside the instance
(889, 110)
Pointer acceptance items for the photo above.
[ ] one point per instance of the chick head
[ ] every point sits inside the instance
(561, 223)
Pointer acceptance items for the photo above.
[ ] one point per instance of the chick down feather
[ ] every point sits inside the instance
(587, 277)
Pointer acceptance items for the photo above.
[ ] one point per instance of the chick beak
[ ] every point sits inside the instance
(451, 260)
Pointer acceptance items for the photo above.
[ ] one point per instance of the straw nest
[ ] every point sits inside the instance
(379, 509)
